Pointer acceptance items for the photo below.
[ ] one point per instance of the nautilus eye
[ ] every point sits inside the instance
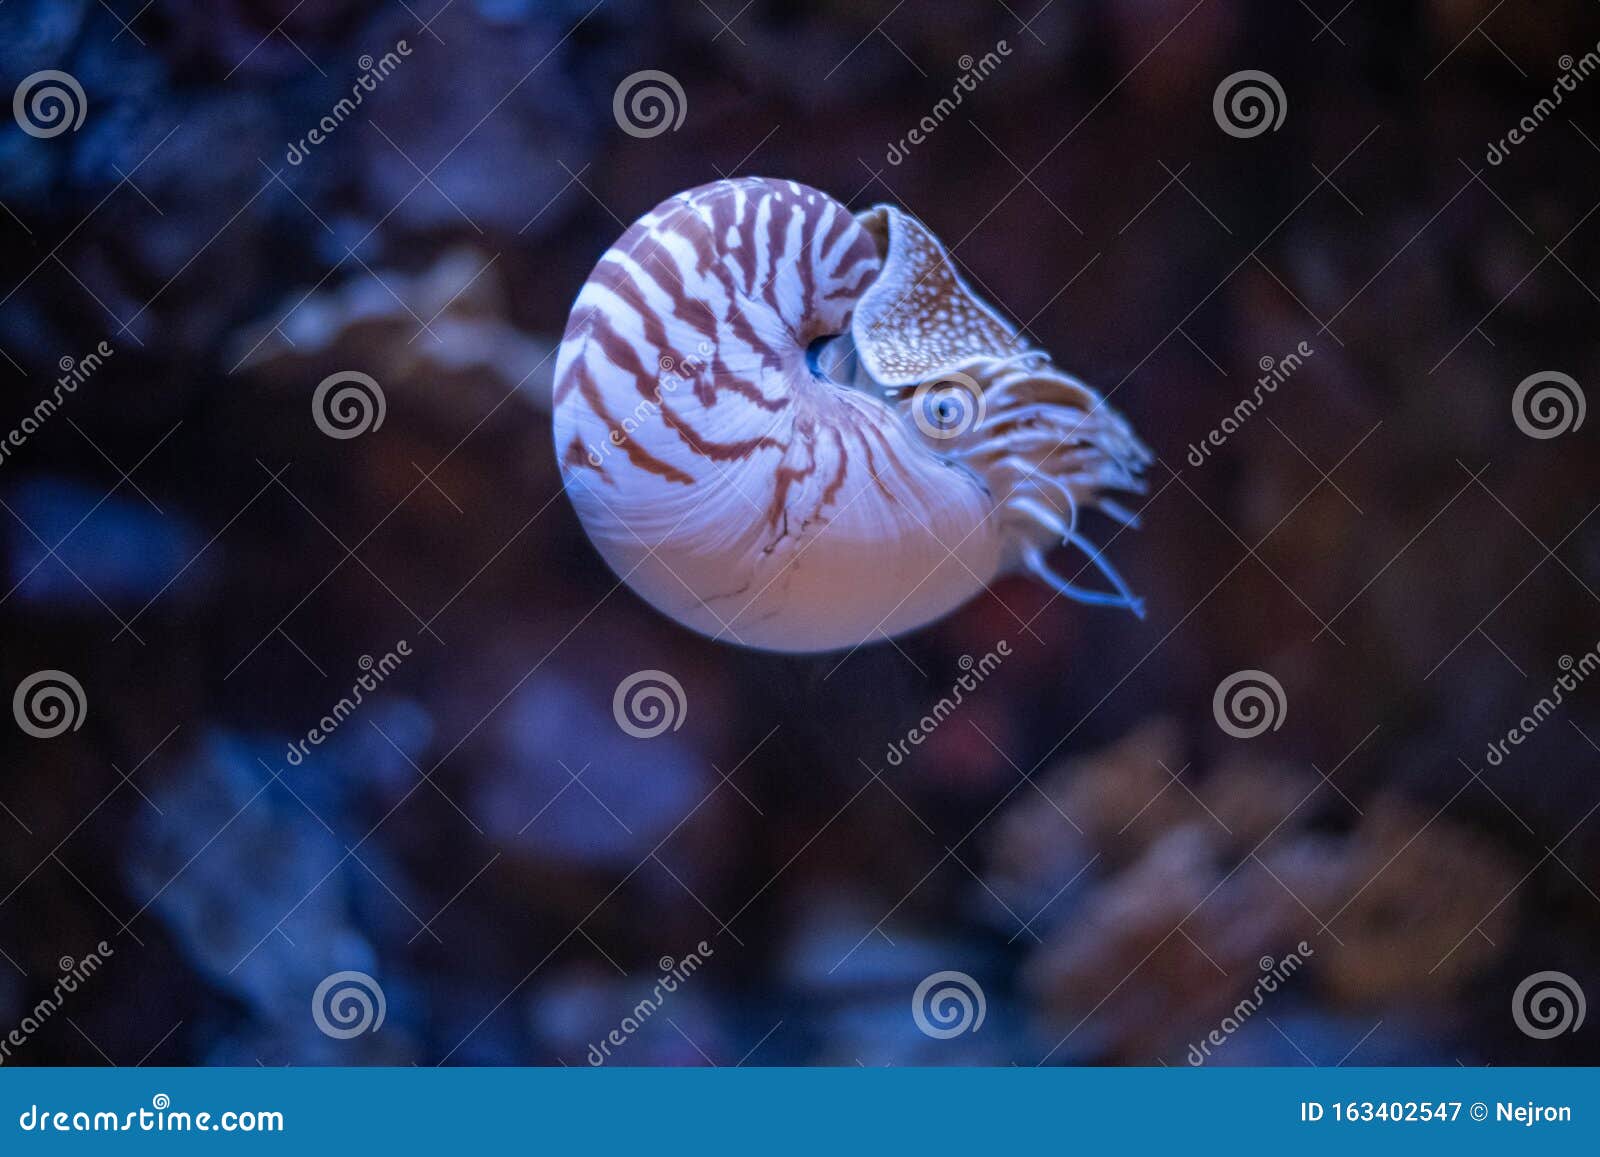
(793, 427)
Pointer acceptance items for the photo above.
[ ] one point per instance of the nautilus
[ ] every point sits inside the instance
(794, 427)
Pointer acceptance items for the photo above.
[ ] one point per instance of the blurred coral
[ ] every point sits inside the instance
(1159, 948)
(1434, 904)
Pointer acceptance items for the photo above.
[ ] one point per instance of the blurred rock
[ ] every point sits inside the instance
(574, 788)
(118, 548)
(265, 914)
(440, 335)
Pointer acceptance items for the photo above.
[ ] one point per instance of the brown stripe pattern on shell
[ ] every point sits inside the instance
(737, 486)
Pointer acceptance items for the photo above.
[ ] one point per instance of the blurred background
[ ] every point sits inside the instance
(1082, 840)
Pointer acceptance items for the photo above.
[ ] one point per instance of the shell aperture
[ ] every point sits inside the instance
(753, 496)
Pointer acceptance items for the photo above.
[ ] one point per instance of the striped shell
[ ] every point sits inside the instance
(795, 428)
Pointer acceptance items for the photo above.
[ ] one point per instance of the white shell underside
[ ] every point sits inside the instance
(727, 483)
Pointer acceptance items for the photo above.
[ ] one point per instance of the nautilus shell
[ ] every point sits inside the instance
(793, 427)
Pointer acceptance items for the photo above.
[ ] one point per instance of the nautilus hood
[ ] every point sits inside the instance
(768, 497)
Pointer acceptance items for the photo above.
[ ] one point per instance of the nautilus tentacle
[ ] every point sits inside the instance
(737, 474)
